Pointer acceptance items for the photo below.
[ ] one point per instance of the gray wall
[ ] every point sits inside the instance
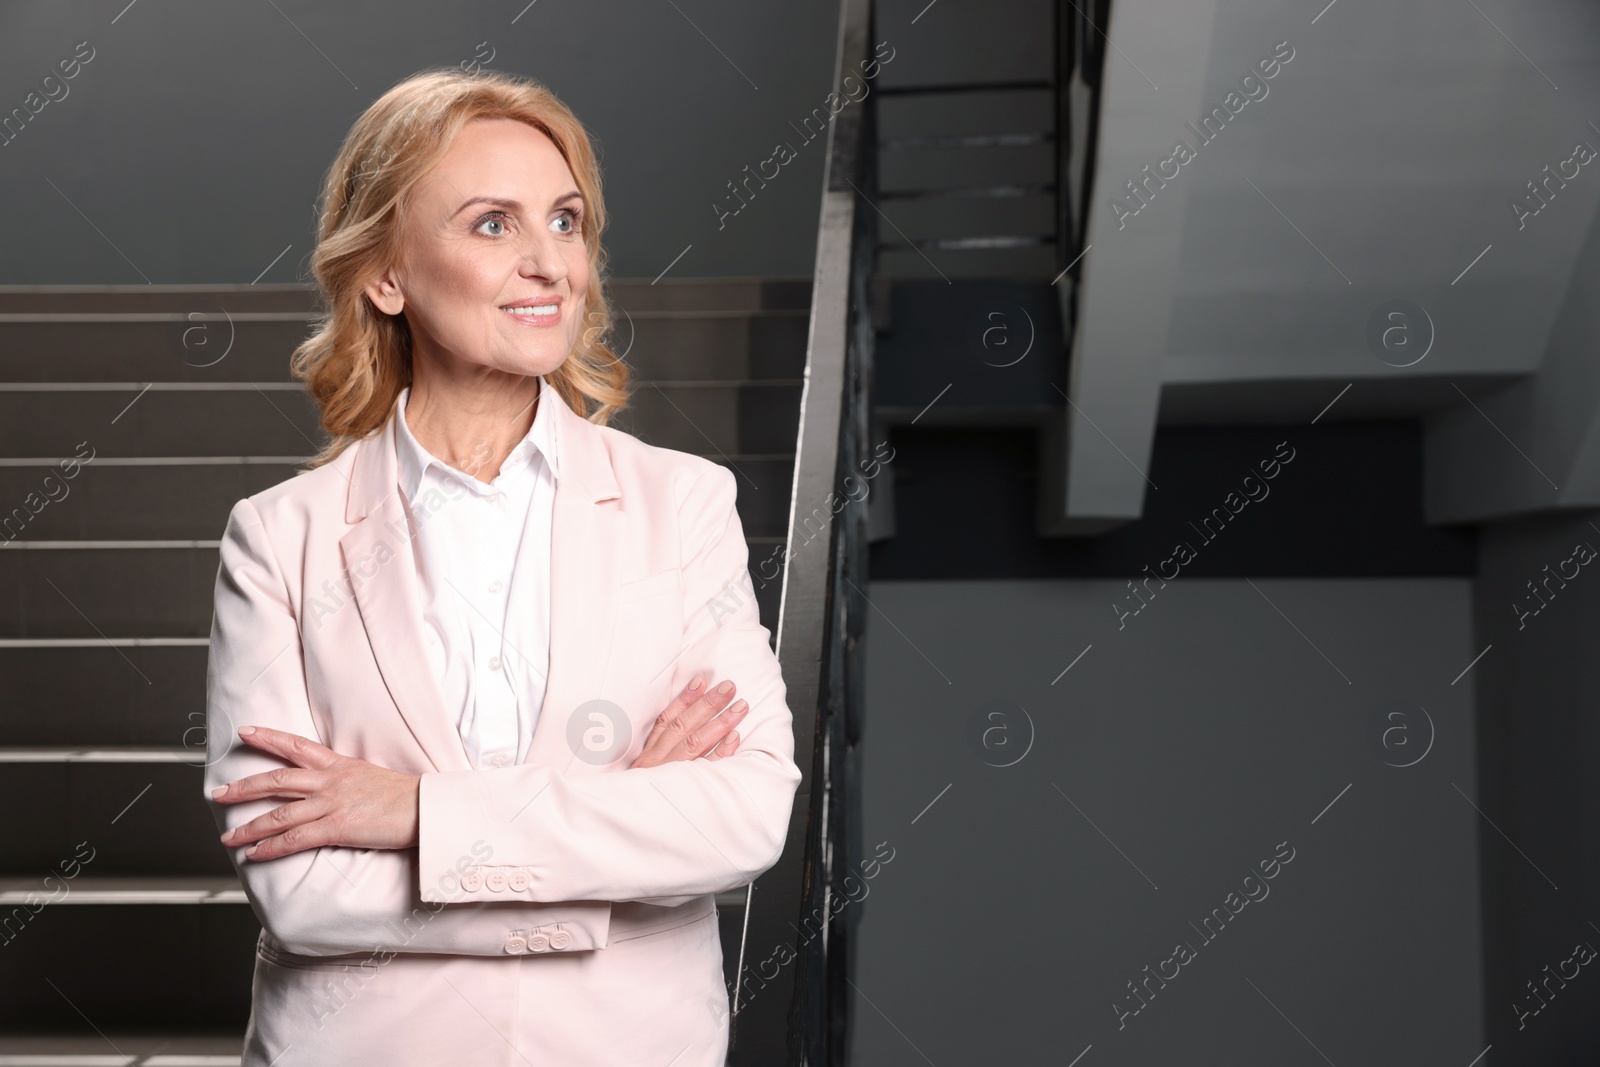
(190, 148)
(1539, 684)
(1174, 756)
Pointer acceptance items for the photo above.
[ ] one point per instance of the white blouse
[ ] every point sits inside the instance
(483, 557)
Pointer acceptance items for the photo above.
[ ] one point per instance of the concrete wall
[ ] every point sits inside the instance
(191, 146)
(1538, 687)
(1231, 716)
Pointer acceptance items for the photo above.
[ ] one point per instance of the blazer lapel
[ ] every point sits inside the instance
(382, 571)
(585, 537)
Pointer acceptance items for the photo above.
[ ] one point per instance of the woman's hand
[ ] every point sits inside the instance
(336, 800)
(694, 725)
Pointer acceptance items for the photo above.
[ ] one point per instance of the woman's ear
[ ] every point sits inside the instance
(384, 292)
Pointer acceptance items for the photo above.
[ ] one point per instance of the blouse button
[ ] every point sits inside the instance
(560, 939)
(538, 941)
(494, 663)
(518, 880)
(472, 881)
(496, 586)
(496, 880)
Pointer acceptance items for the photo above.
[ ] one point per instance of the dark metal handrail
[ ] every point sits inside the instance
(790, 998)
(823, 599)
(800, 1015)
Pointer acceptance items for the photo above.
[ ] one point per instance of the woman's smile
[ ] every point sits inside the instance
(537, 311)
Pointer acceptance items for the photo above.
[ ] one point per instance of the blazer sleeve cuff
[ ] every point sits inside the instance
(452, 869)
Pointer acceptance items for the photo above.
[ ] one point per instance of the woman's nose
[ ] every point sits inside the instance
(541, 259)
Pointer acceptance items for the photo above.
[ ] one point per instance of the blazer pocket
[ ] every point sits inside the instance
(652, 932)
(639, 589)
(646, 631)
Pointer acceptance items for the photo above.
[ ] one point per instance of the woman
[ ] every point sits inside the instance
(470, 775)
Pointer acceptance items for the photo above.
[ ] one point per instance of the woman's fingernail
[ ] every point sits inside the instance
(741, 707)
(725, 688)
(246, 731)
(219, 790)
(695, 683)
(251, 851)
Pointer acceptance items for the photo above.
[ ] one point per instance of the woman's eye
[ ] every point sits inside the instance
(495, 219)
(567, 217)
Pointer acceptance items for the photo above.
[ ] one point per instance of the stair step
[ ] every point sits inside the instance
(126, 419)
(122, 422)
(171, 890)
(638, 294)
(101, 754)
(945, 167)
(121, 1050)
(717, 417)
(94, 693)
(88, 889)
(1018, 220)
(729, 346)
(153, 499)
(165, 592)
(53, 385)
(115, 1060)
(905, 262)
(210, 346)
(155, 968)
(719, 294)
(234, 349)
(103, 642)
(67, 546)
(141, 819)
(138, 818)
(116, 594)
(80, 299)
(24, 462)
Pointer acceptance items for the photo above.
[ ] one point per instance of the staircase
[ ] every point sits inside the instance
(131, 419)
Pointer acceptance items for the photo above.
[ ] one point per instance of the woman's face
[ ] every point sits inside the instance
(496, 223)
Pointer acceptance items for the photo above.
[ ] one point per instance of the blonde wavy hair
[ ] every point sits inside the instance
(359, 359)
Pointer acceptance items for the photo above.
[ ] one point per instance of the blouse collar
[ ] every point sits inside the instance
(414, 460)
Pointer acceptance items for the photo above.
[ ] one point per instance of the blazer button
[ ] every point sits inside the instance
(472, 881)
(538, 941)
(516, 943)
(518, 880)
(496, 880)
(560, 939)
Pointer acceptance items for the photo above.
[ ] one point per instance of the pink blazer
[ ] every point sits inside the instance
(558, 911)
